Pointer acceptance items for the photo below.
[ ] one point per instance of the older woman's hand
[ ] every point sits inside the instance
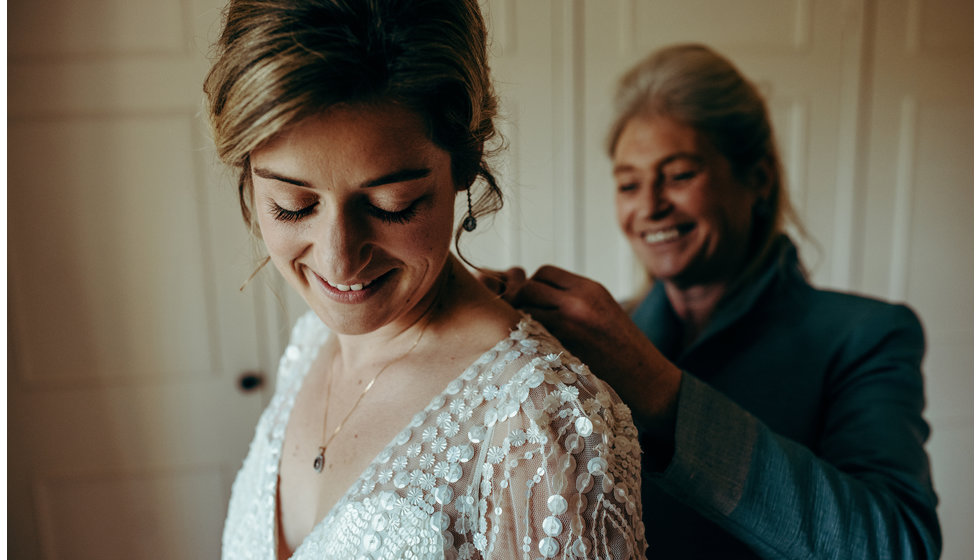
(592, 325)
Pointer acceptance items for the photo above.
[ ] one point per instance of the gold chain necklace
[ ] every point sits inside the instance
(319, 459)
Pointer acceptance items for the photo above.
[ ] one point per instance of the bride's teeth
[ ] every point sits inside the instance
(662, 235)
(349, 288)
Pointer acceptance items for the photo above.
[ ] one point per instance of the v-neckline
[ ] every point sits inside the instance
(523, 324)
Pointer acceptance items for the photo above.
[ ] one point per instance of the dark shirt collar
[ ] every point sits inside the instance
(656, 317)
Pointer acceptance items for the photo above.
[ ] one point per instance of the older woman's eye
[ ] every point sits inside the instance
(627, 187)
(682, 176)
(286, 215)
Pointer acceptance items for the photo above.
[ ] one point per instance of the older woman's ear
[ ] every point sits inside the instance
(762, 177)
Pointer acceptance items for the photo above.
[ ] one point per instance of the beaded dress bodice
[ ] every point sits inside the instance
(525, 454)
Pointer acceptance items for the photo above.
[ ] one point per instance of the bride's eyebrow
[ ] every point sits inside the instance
(394, 177)
(267, 174)
(398, 177)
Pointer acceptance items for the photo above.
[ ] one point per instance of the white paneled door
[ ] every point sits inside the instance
(128, 333)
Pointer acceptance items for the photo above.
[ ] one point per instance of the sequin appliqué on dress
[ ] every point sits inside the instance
(525, 455)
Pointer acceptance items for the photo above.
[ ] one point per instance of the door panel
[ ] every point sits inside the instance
(918, 221)
(99, 273)
(71, 531)
(127, 329)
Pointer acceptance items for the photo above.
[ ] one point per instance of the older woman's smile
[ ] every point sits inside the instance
(666, 234)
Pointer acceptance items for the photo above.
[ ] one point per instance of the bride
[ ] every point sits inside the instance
(416, 414)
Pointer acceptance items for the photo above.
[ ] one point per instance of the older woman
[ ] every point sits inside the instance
(416, 415)
(777, 420)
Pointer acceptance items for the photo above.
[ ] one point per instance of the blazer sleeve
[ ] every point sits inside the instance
(864, 492)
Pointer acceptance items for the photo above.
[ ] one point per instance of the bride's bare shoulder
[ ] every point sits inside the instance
(474, 318)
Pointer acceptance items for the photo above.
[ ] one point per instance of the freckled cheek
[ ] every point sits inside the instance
(427, 240)
(427, 237)
(280, 243)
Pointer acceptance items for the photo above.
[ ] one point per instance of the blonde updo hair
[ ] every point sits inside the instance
(698, 87)
(280, 61)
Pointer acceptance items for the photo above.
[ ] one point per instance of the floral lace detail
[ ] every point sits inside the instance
(525, 455)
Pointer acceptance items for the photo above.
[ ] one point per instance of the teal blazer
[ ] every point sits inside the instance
(799, 430)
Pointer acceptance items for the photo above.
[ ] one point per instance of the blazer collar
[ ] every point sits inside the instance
(656, 317)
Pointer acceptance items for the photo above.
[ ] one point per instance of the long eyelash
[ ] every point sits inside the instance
(400, 217)
(284, 215)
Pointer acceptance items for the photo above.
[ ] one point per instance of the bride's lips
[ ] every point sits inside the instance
(351, 293)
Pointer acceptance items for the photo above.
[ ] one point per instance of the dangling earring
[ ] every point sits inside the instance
(469, 224)
(262, 264)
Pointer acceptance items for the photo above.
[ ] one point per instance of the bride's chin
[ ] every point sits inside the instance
(349, 324)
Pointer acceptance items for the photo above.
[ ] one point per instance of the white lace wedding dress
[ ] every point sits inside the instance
(525, 455)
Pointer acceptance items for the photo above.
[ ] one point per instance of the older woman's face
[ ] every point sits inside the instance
(356, 209)
(686, 216)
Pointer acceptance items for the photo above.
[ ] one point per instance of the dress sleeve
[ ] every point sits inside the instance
(863, 492)
(561, 476)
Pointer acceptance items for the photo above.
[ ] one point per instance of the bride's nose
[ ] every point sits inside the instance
(342, 245)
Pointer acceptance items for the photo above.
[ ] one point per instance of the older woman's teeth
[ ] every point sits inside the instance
(662, 235)
(349, 287)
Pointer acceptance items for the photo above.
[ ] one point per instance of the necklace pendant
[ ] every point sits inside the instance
(318, 461)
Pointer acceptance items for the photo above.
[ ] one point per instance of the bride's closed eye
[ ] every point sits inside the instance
(288, 215)
(395, 216)
(284, 214)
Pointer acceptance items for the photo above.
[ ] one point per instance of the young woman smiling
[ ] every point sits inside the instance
(416, 414)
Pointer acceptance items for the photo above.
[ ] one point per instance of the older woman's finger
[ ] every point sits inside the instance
(503, 283)
(557, 277)
(514, 279)
(534, 294)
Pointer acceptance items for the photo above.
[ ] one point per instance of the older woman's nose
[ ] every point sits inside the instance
(655, 205)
